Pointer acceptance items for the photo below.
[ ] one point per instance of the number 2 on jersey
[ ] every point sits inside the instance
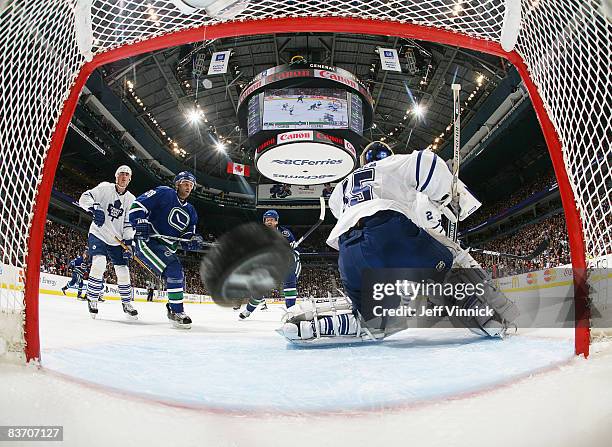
(361, 191)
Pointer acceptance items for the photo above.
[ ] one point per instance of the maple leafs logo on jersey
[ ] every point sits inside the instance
(114, 210)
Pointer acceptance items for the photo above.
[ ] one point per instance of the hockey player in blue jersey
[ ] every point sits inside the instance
(271, 220)
(80, 266)
(389, 213)
(160, 217)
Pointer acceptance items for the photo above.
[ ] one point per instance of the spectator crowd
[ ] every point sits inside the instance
(493, 209)
(524, 241)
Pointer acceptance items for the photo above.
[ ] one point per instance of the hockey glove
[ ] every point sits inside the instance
(127, 254)
(195, 243)
(142, 229)
(98, 216)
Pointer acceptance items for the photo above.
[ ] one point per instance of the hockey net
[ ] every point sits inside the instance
(563, 53)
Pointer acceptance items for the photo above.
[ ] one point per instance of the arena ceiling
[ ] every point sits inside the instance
(160, 88)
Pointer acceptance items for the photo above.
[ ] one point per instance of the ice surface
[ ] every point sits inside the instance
(431, 388)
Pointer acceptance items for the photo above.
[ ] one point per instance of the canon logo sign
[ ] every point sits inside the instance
(336, 77)
(303, 135)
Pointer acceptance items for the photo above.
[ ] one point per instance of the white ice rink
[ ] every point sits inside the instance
(226, 382)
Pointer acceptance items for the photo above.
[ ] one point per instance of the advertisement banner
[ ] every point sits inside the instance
(286, 193)
(218, 62)
(389, 60)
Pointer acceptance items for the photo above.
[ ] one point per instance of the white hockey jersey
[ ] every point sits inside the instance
(391, 184)
(116, 208)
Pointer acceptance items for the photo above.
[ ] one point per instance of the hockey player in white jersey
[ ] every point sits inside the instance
(109, 204)
(388, 215)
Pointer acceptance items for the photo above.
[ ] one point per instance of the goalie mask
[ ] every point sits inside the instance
(376, 150)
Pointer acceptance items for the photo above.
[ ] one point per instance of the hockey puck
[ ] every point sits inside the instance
(248, 261)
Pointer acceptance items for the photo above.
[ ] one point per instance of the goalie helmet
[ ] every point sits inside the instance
(273, 214)
(185, 176)
(376, 150)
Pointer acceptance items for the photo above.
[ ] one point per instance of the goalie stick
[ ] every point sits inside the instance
(315, 226)
(452, 226)
(534, 254)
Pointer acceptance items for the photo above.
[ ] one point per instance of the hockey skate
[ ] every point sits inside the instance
(129, 310)
(178, 320)
(264, 306)
(64, 290)
(244, 314)
(93, 308)
(237, 307)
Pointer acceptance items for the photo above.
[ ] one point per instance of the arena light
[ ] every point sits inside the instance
(220, 146)
(418, 110)
(194, 116)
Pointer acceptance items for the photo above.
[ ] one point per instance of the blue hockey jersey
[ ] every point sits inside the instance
(79, 265)
(286, 232)
(167, 214)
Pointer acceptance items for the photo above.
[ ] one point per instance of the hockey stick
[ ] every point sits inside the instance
(315, 226)
(136, 258)
(180, 239)
(537, 252)
(452, 226)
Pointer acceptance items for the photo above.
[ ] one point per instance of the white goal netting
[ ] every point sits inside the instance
(565, 45)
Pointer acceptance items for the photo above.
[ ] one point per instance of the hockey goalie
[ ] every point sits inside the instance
(389, 217)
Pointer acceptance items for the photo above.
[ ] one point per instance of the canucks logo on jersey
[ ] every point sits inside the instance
(179, 218)
(114, 210)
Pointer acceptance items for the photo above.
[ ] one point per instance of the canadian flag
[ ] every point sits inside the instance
(238, 169)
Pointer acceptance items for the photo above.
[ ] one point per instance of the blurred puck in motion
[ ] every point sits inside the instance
(248, 261)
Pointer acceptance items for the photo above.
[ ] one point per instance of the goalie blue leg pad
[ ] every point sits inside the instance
(387, 239)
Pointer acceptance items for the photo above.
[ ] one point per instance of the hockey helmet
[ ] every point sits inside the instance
(376, 150)
(123, 169)
(185, 176)
(273, 214)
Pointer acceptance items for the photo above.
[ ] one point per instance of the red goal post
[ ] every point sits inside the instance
(561, 55)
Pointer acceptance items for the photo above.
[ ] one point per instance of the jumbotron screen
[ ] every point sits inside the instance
(305, 108)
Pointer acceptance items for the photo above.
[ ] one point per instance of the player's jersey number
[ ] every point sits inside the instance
(361, 189)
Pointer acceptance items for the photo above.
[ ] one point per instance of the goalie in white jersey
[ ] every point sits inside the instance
(109, 204)
(389, 216)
